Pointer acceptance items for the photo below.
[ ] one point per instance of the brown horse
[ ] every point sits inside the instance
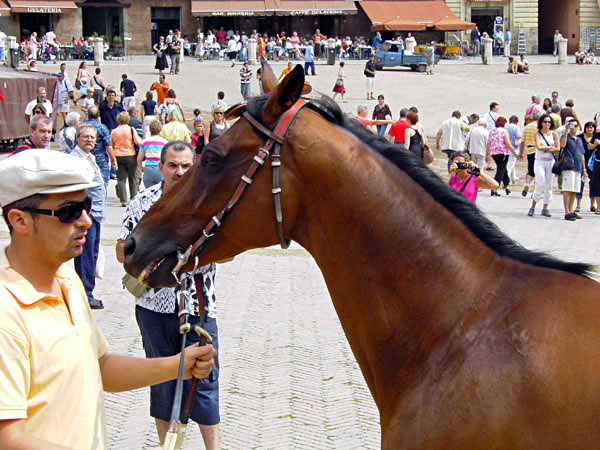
(466, 340)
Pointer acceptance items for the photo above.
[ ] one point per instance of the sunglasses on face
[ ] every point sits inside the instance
(219, 112)
(547, 121)
(66, 214)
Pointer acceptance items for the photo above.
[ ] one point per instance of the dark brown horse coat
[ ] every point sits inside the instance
(466, 340)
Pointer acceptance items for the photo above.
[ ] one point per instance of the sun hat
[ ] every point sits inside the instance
(42, 171)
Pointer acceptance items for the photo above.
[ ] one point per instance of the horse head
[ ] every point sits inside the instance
(179, 218)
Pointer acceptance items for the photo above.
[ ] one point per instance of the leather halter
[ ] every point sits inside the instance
(272, 146)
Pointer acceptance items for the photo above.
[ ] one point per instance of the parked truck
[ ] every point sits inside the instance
(17, 88)
(391, 54)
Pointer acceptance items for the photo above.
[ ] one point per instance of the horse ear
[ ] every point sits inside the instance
(284, 95)
(268, 78)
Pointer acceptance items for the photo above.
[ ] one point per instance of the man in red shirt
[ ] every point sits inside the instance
(398, 129)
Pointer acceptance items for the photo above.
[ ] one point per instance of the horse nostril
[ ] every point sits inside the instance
(129, 248)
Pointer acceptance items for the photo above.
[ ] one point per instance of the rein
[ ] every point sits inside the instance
(272, 146)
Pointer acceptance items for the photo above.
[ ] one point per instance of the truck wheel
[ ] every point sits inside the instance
(421, 68)
(378, 67)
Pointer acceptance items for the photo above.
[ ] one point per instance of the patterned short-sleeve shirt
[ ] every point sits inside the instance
(164, 300)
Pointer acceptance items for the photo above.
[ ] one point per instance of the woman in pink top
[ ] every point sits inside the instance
(466, 177)
(123, 140)
(498, 148)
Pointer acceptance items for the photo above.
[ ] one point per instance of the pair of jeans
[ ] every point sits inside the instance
(85, 264)
(501, 176)
(126, 173)
(175, 60)
(381, 129)
(307, 65)
(151, 176)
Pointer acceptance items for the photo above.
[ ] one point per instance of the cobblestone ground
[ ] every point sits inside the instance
(288, 377)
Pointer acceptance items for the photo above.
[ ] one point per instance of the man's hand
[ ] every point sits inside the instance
(198, 361)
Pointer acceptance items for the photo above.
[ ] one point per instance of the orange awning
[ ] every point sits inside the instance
(229, 8)
(5, 9)
(412, 15)
(311, 7)
(43, 6)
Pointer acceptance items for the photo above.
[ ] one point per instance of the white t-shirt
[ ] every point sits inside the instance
(32, 103)
(452, 135)
(232, 46)
(490, 117)
(50, 37)
(477, 141)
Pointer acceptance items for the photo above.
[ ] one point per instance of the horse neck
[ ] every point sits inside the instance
(397, 264)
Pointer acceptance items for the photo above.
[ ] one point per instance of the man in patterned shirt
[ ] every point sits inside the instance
(103, 150)
(156, 310)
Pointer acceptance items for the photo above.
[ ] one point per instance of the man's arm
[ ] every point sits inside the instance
(438, 136)
(124, 373)
(13, 437)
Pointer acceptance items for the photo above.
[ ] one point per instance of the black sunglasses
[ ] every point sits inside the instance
(68, 213)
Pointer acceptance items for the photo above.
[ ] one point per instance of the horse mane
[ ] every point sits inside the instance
(464, 210)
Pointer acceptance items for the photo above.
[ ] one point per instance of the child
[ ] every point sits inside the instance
(150, 113)
(87, 103)
(198, 136)
(197, 115)
(150, 152)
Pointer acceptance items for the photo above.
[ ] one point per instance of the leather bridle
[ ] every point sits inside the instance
(272, 146)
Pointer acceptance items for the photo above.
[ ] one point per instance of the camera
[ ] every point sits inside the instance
(462, 165)
(475, 171)
(571, 124)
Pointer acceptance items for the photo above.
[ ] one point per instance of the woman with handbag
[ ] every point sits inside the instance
(123, 140)
(591, 142)
(339, 88)
(499, 147)
(546, 144)
(82, 81)
(572, 164)
(160, 51)
(415, 139)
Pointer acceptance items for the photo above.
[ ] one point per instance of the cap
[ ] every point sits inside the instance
(42, 171)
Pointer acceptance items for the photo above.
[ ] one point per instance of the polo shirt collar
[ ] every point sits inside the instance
(22, 289)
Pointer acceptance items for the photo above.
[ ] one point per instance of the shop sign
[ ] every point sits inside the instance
(43, 9)
(232, 13)
(316, 12)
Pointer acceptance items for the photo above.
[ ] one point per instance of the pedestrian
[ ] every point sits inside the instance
(397, 130)
(149, 155)
(572, 151)
(491, 116)
(123, 139)
(134, 120)
(568, 111)
(498, 148)
(555, 99)
(170, 103)
(217, 126)
(161, 87)
(556, 39)
(381, 112)
(309, 61)
(514, 134)
(87, 102)
(220, 101)
(245, 77)
(475, 40)
(40, 133)
(102, 151)
(160, 52)
(54, 354)
(369, 73)
(410, 43)
(286, 70)
(156, 310)
(198, 135)
(430, 55)
(535, 105)
(64, 93)
(98, 85)
(361, 117)
(339, 87)
(175, 53)
(528, 147)
(414, 141)
(476, 143)
(150, 113)
(591, 142)
(128, 90)
(85, 263)
(507, 42)
(82, 81)
(467, 177)
(109, 109)
(175, 129)
(232, 50)
(450, 137)
(317, 38)
(67, 140)
(41, 98)
(546, 143)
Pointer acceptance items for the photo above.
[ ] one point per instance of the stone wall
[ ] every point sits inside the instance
(9, 25)
(69, 26)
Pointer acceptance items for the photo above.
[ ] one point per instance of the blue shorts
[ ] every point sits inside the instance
(160, 336)
(245, 88)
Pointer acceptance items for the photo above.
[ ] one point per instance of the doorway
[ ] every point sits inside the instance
(163, 20)
(485, 17)
(38, 22)
(561, 15)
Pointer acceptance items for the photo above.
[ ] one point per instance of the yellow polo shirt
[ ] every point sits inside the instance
(49, 350)
(529, 133)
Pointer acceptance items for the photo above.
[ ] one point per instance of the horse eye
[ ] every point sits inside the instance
(211, 159)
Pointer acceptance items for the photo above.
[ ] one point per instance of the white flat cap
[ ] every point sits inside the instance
(42, 171)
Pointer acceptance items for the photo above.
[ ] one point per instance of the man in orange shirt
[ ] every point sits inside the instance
(161, 87)
(287, 70)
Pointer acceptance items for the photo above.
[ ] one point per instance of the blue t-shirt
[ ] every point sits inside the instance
(513, 132)
(109, 115)
(149, 106)
(574, 149)
(376, 42)
(308, 54)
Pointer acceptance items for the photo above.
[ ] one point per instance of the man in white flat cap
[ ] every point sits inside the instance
(54, 361)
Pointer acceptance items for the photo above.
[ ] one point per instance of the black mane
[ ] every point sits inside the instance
(448, 197)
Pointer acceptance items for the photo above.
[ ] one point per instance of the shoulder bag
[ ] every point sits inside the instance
(592, 161)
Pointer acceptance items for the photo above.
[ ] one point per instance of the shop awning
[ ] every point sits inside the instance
(311, 7)
(412, 15)
(202, 8)
(5, 9)
(43, 6)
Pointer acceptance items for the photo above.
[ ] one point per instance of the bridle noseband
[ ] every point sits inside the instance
(272, 146)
